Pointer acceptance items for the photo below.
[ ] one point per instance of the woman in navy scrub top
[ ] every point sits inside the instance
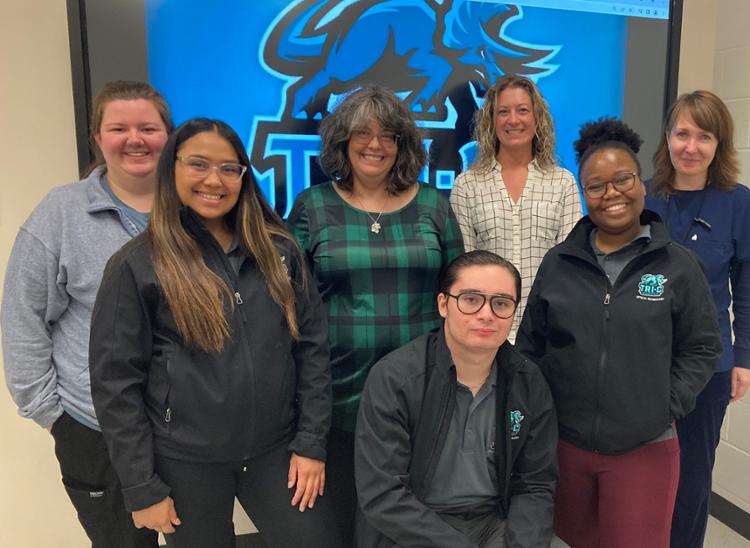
(695, 190)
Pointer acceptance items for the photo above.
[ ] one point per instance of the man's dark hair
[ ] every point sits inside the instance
(477, 258)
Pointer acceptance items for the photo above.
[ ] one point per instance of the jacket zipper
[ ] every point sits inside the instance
(601, 368)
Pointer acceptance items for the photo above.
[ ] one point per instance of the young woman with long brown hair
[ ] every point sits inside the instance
(209, 358)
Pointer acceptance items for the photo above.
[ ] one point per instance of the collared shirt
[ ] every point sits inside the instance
(465, 474)
(521, 232)
(137, 220)
(613, 263)
(379, 287)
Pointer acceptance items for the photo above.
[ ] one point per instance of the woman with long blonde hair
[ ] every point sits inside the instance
(515, 200)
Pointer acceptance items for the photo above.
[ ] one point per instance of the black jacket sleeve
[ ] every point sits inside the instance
(382, 452)
(531, 505)
(696, 340)
(312, 358)
(119, 359)
(531, 339)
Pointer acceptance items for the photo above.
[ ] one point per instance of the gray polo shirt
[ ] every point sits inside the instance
(613, 263)
(465, 475)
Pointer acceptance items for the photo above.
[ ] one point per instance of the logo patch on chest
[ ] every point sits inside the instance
(515, 424)
(651, 287)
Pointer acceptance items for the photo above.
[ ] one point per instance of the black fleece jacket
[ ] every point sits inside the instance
(403, 419)
(622, 361)
(153, 394)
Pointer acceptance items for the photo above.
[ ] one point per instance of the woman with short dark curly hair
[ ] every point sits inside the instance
(394, 116)
(619, 322)
(376, 241)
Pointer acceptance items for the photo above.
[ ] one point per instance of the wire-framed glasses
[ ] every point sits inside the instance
(229, 172)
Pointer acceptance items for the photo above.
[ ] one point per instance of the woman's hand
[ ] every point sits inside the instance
(161, 517)
(309, 475)
(740, 383)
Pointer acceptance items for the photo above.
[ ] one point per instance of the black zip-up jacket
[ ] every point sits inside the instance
(622, 361)
(404, 416)
(152, 394)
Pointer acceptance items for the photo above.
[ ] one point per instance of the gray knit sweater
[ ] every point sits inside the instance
(50, 286)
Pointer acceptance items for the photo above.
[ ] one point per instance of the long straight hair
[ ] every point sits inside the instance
(195, 294)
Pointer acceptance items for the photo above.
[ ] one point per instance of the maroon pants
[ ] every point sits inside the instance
(621, 501)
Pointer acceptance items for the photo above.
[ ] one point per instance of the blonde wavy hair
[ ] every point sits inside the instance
(543, 144)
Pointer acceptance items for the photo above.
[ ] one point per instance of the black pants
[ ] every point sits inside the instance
(204, 496)
(94, 489)
(340, 485)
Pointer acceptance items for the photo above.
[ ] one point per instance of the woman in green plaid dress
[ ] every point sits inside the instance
(376, 241)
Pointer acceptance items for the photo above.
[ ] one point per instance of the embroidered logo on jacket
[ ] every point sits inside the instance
(515, 424)
(652, 286)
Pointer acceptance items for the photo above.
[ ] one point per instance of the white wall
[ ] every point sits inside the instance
(731, 81)
(716, 56)
(37, 151)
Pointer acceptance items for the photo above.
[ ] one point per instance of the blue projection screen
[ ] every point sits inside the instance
(273, 69)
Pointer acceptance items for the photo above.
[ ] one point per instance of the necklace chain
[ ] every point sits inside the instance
(375, 226)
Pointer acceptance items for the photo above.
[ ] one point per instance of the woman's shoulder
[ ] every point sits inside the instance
(741, 194)
(322, 192)
(429, 196)
(65, 205)
(554, 173)
(136, 252)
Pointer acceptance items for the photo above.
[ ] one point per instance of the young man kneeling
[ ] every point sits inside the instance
(456, 436)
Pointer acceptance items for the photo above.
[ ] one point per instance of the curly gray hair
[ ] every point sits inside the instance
(354, 112)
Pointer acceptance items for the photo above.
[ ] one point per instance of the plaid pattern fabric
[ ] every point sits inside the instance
(522, 232)
(380, 289)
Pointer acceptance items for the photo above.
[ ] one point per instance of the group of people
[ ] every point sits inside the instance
(350, 376)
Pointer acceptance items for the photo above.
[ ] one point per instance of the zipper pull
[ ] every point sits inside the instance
(606, 299)
(168, 416)
(238, 298)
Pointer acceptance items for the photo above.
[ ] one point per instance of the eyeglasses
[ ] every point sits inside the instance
(472, 302)
(621, 183)
(229, 172)
(364, 136)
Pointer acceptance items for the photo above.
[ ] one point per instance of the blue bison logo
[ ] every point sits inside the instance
(652, 285)
(515, 423)
(427, 50)
(440, 57)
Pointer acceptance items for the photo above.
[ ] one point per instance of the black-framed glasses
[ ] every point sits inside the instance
(229, 172)
(471, 302)
(621, 183)
(386, 139)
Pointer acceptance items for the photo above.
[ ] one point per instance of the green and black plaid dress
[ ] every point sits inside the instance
(380, 289)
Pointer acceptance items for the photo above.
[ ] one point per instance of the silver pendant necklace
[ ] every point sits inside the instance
(375, 226)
